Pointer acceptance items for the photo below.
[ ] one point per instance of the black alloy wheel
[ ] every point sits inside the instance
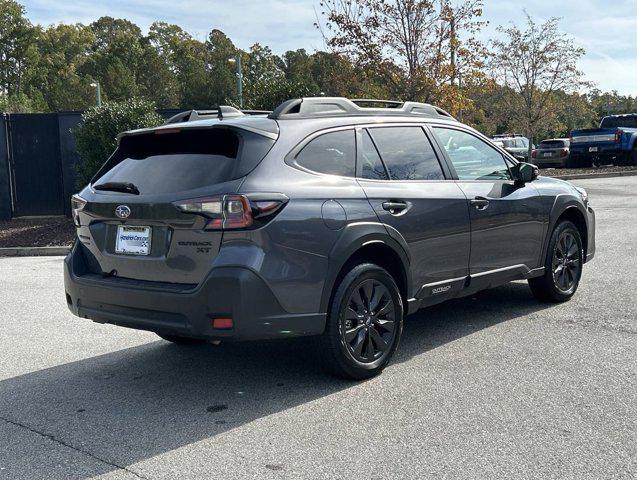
(364, 323)
(368, 325)
(566, 265)
(562, 267)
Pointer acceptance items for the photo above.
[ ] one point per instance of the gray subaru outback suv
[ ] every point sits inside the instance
(325, 218)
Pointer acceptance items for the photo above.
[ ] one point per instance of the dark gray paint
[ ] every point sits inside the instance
(445, 246)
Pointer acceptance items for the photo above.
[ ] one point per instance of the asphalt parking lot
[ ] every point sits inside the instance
(495, 386)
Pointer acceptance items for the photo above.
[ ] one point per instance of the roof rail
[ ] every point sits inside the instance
(309, 107)
(223, 111)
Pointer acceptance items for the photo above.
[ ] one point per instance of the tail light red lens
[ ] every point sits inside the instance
(77, 205)
(563, 152)
(618, 136)
(533, 153)
(222, 323)
(229, 212)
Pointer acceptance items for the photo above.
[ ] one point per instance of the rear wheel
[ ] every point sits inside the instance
(562, 266)
(181, 340)
(364, 325)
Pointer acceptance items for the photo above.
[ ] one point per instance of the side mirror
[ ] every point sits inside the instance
(524, 172)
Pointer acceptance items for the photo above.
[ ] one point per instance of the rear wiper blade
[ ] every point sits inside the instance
(118, 187)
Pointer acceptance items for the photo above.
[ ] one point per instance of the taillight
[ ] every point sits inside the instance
(618, 136)
(77, 205)
(229, 212)
(563, 152)
(533, 153)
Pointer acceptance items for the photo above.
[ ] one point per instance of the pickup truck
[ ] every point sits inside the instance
(615, 141)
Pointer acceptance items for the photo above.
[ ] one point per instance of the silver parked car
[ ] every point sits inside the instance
(553, 152)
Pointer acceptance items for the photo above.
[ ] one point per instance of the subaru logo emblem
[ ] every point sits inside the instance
(122, 211)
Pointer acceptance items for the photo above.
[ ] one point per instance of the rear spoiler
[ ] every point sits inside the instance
(224, 111)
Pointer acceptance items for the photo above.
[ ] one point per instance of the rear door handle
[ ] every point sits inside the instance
(395, 207)
(480, 203)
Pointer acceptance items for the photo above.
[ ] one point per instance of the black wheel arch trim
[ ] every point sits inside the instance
(356, 236)
(562, 204)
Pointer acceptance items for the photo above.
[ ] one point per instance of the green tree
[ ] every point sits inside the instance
(221, 73)
(115, 59)
(63, 49)
(18, 51)
(266, 85)
(96, 136)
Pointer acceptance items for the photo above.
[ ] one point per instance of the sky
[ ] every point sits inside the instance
(603, 28)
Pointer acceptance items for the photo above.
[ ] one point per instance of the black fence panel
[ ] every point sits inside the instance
(67, 122)
(34, 152)
(37, 162)
(5, 183)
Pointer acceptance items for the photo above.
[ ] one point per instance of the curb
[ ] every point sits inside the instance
(578, 176)
(34, 251)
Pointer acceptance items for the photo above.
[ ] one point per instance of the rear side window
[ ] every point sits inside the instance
(407, 153)
(332, 153)
(181, 160)
(628, 121)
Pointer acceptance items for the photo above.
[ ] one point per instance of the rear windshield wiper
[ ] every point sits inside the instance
(118, 187)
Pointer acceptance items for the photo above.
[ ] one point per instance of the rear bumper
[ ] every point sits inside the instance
(235, 292)
(582, 151)
(550, 161)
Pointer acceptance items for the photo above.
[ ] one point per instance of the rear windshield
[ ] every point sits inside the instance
(180, 160)
(628, 121)
(552, 144)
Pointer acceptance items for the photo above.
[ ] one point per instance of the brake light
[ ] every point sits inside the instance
(222, 323)
(77, 205)
(618, 135)
(563, 152)
(229, 212)
(533, 153)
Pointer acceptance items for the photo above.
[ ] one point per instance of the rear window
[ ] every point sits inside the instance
(552, 144)
(628, 121)
(181, 160)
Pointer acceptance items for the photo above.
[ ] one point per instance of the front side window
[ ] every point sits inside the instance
(332, 153)
(472, 158)
(371, 164)
(407, 153)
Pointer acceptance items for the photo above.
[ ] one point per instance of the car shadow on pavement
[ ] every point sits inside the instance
(133, 404)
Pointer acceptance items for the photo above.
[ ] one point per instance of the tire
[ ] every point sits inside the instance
(562, 273)
(181, 340)
(632, 158)
(355, 344)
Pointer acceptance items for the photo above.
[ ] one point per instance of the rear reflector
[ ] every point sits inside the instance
(222, 323)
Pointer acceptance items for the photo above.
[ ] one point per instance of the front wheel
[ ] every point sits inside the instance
(364, 325)
(562, 266)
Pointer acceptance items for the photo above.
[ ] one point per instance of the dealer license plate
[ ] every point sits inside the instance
(133, 240)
